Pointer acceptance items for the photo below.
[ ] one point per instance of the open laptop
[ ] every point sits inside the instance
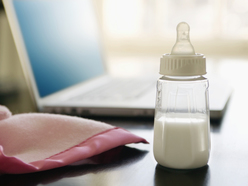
(60, 51)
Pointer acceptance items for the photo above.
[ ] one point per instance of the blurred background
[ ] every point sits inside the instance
(148, 26)
(140, 31)
(136, 33)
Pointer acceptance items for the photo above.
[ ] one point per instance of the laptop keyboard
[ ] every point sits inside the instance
(120, 89)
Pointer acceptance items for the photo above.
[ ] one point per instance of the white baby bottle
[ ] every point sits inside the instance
(181, 123)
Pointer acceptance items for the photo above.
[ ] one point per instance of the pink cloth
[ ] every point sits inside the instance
(36, 142)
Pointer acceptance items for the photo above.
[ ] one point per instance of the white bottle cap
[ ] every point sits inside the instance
(183, 61)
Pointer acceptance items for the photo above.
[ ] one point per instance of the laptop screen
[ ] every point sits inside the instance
(61, 39)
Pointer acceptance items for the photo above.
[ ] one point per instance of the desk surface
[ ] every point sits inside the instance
(135, 165)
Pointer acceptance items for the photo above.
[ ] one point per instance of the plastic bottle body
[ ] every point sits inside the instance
(181, 123)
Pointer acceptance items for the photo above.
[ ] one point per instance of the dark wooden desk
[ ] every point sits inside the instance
(134, 165)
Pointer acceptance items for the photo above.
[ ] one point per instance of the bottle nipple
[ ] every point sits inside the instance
(183, 45)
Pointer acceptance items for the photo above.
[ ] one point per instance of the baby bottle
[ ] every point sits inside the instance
(181, 123)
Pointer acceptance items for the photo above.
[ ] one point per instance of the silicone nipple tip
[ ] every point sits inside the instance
(183, 45)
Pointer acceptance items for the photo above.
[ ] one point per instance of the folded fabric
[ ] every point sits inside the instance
(38, 141)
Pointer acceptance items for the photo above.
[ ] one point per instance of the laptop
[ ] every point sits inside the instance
(61, 54)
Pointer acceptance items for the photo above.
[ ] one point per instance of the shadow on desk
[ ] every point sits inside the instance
(166, 176)
(117, 157)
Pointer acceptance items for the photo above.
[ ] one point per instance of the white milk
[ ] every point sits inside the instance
(182, 143)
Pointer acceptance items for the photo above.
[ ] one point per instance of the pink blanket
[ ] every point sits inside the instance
(36, 142)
